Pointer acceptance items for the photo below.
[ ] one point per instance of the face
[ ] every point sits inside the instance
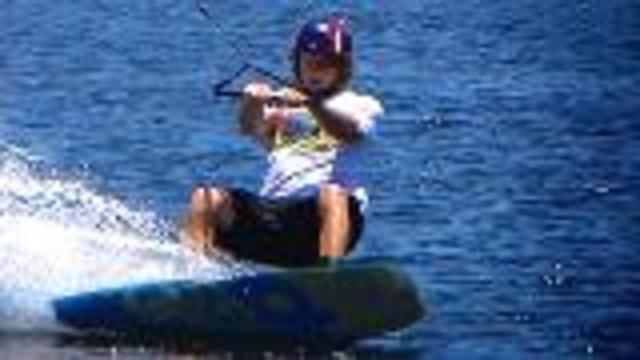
(317, 74)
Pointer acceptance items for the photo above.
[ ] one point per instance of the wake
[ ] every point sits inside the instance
(59, 237)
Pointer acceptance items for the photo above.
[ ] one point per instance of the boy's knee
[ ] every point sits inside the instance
(207, 200)
(333, 190)
(332, 196)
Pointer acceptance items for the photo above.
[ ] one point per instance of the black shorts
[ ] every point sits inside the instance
(282, 232)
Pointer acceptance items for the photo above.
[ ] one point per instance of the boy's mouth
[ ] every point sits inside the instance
(315, 85)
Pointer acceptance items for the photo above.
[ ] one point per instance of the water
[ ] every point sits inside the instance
(507, 178)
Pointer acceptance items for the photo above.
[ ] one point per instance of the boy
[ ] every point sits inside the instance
(310, 208)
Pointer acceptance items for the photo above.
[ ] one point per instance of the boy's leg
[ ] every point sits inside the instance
(209, 208)
(334, 221)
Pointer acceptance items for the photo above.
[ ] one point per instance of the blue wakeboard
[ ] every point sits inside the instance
(315, 307)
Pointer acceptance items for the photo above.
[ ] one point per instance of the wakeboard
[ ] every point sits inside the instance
(308, 307)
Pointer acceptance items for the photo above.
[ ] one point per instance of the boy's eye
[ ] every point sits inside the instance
(317, 63)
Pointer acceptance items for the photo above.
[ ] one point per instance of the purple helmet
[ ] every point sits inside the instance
(328, 37)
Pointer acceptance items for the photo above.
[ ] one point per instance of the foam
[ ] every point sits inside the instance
(58, 236)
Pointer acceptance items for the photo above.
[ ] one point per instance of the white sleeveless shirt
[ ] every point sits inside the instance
(304, 156)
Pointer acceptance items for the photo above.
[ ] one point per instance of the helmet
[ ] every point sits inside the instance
(327, 38)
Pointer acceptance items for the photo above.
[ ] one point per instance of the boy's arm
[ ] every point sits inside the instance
(347, 117)
(251, 114)
(339, 126)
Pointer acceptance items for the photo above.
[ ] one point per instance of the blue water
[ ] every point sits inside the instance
(507, 175)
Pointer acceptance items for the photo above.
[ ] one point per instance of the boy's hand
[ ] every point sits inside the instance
(264, 93)
(258, 92)
(290, 97)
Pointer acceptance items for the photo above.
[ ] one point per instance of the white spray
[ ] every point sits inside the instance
(59, 237)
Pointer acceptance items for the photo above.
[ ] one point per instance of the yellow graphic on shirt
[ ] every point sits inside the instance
(301, 133)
